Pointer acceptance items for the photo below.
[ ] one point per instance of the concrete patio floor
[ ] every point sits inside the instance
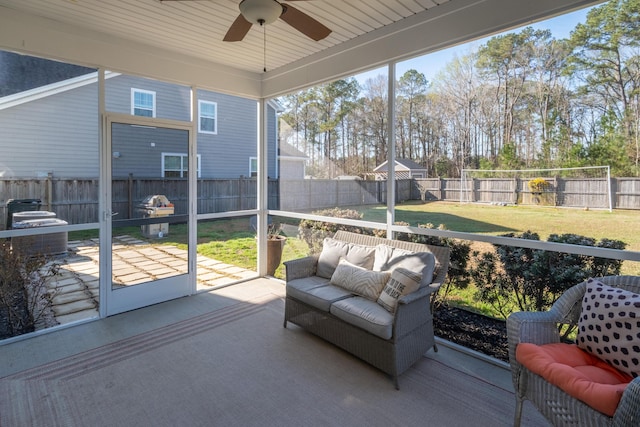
(64, 342)
(134, 261)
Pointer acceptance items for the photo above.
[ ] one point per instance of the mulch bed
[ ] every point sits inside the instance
(475, 331)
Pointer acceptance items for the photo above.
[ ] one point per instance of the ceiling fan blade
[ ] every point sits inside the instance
(304, 23)
(237, 30)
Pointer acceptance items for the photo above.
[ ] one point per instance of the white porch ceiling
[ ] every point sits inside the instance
(130, 35)
(197, 27)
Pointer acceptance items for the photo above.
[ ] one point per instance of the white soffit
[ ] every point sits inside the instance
(181, 41)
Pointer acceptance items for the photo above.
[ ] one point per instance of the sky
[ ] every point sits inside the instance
(431, 64)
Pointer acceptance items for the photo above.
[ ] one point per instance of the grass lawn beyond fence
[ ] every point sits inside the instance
(233, 240)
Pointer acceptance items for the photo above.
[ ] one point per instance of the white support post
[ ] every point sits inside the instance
(193, 193)
(263, 182)
(104, 189)
(391, 147)
(610, 185)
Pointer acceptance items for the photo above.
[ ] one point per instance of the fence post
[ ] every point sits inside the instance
(614, 192)
(49, 191)
(241, 192)
(474, 185)
(130, 195)
(515, 190)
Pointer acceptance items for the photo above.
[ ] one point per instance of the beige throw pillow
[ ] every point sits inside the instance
(358, 280)
(402, 282)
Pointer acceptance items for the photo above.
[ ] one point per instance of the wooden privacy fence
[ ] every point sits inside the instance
(562, 192)
(76, 200)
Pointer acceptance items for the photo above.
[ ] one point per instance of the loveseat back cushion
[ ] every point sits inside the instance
(577, 373)
(358, 280)
(333, 250)
(361, 255)
(422, 263)
(382, 254)
(316, 291)
(364, 314)
(609, 326)
(402, 282)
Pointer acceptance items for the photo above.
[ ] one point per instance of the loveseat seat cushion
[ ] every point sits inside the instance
(577, 373)
(365, 314)
(316, 291)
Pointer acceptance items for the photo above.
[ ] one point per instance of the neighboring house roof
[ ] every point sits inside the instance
(291, 152)
(401, 164)
(276, 105)
(50, 89)
(19, 73)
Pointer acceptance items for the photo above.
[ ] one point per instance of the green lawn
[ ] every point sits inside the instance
(495, 220)
(233, 240)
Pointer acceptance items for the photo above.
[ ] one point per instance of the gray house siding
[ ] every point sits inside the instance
(272, 153)
(227, 153)
(59, 133)
(172, 101)
(137, 155)
(56, 134)
(291, 169)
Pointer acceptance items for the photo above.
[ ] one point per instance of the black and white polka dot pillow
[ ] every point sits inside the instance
(609, 326)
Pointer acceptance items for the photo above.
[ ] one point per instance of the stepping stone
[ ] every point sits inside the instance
(73, 307)
(77, 315)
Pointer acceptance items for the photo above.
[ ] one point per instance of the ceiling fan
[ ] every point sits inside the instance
(263, 12)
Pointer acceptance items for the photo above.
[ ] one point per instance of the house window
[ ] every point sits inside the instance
(176, 165)
(143, 103)
(208, 117)
(253, 166)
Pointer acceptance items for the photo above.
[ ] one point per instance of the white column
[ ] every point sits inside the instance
(391, 148)
(263, 183)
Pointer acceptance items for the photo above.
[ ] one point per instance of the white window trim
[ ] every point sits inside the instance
(198, 169)
(215, 117)
(133, 97)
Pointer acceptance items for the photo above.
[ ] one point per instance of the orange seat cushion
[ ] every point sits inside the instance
(577, 373)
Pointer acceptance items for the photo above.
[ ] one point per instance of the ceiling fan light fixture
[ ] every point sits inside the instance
(260, 11)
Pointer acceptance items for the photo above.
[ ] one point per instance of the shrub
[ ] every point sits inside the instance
(24, 295)
(516, 278)
(458, 274)
(539, 185)
(313, 232)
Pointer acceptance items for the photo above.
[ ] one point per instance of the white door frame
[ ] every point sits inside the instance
(125, 299)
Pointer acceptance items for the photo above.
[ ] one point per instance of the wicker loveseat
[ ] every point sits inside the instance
(541, 330)
(312, 302)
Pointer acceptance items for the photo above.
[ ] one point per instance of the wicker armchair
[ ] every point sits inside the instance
(542, 328)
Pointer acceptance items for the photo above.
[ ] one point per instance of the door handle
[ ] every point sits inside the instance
(110, 214)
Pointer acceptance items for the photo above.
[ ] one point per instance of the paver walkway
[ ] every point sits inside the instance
(134, 261)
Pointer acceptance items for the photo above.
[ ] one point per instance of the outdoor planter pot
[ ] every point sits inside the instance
(275, 245)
